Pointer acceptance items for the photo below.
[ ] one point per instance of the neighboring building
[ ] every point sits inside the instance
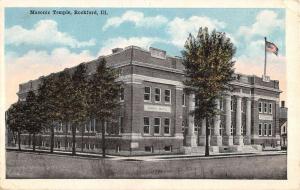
(154, 115)
(283, 125)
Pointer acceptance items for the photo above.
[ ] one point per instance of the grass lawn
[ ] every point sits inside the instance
(43, 166)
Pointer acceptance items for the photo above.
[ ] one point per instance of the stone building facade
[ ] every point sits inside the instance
(154, 115)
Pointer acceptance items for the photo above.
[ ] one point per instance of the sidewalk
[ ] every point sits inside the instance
(195, 156)
(156, 157)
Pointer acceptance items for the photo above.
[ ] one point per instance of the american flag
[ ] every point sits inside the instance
(271, 47)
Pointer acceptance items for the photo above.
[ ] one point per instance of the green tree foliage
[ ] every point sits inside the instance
(15, 120)
(103, 96)
(33, 120)
(64, 87)
(207, 58)
(49, 104)
(78, 98)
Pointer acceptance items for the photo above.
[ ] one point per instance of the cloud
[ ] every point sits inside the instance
(44, 32)
(254, 65)
(179, 28)
(33, 64)
(266, 22)
(120, 42)
(137, 18)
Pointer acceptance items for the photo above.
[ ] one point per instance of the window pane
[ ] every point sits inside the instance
(157, 91)
(265, 107)
(147, 93)
(167, 130)
(167, 99)
(167, 121)
(260, 107)
(167, 96)
(156, 121)
(157, 98)
(147, 89)
(157, 94)
(146, 97)
(146, 120)
(146, 129)
(156, 129)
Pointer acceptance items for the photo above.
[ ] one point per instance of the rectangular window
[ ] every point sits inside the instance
(86, 128)
(122, 94)
(148, 149)
(221, 130)
(265, 108)
(183, 99)
(146, 125)
(231, 130)
(231, 105)
(157, 95)
(168, 148)
(156, 125)
(270, 129)
(147, 94)
(69, 128)
(93, 125)
(242, 130)
(270, 108)
(221, 104)
(260, 129)
(168, 96)
(121, 123)
(260, 107)
(167, 126)
(265, 129)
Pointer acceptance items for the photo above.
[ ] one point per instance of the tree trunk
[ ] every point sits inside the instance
(29, 140)
(82, 130)
(198, 135)
(73, 139)
(66, 135)
(52, 138)
(19, 139)
(206, 139)
(103, 139)
(33, 142)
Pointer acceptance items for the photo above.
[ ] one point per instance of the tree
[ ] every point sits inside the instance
(103, 96)
(49, 104)
(32, 120)
(209, 68)
(15, 119)
(78, 99)
(64, 92)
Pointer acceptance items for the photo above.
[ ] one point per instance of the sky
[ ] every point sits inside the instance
(39, 44)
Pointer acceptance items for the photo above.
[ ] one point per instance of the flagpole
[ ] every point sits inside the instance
(265, 57)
